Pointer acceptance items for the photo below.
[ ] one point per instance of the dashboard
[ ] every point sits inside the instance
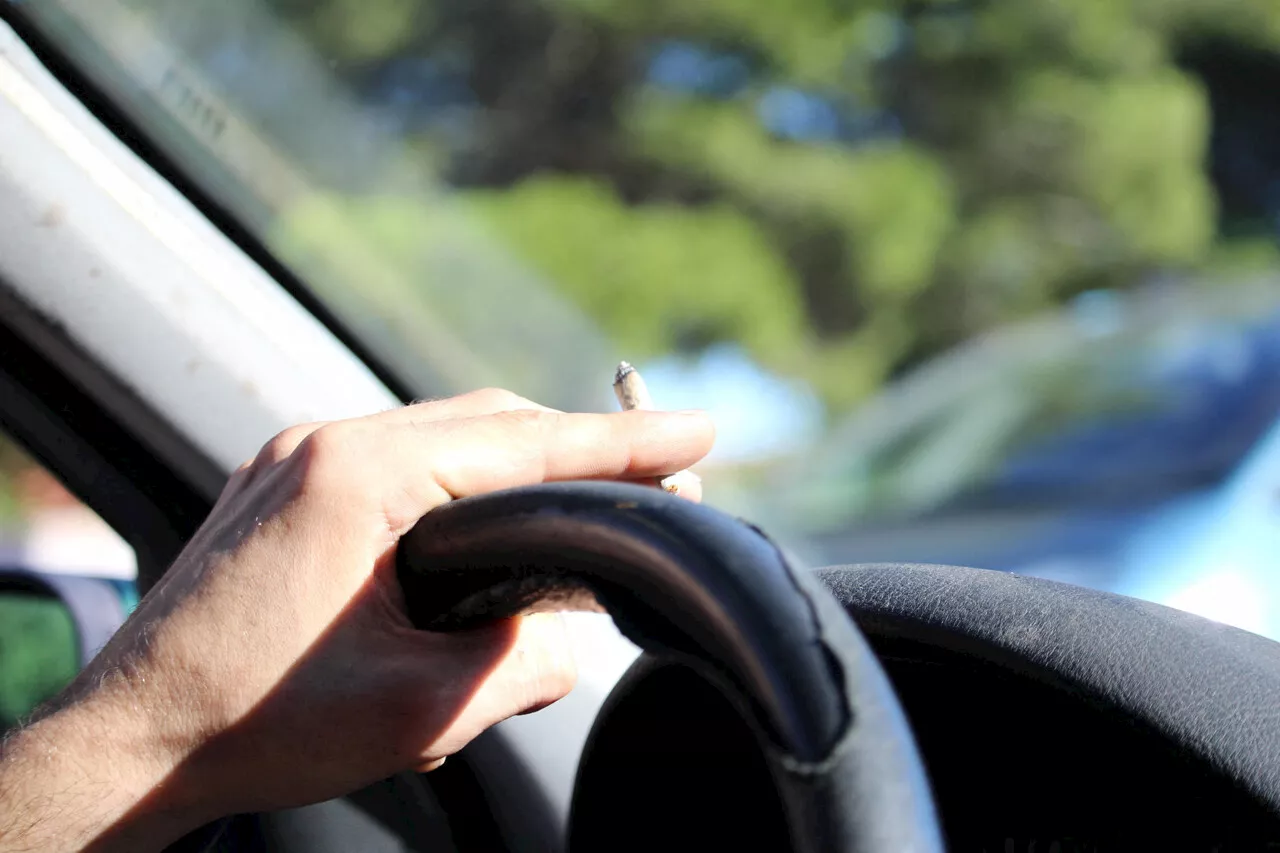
(1020, 766)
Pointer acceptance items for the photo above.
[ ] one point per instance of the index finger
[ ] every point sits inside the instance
(428, 464)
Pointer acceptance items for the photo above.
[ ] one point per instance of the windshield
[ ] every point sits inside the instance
(812, 218)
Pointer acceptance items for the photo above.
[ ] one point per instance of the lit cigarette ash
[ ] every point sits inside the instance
(632, 393)
(630, 389)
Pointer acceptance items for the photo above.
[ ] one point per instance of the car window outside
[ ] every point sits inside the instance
(811, 218)
(46, 532)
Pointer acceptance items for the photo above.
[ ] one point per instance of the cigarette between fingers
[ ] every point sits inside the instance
(632, 394)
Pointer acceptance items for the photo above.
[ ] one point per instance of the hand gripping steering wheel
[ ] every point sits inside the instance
(757, 713)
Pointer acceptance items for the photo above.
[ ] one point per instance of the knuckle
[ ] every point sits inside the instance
(327, 443)
(325, 456)
(281, 445)
(498, 398)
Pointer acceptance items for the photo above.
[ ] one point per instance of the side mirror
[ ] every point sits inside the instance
(50, 627)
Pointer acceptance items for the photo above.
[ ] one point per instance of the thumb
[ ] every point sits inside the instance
(537, 669)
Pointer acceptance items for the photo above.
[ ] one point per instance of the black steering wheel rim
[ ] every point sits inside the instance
(688, 580)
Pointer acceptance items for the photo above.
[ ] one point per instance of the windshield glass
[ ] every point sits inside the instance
(917, 258)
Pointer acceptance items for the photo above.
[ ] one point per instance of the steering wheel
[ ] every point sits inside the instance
(757, 713)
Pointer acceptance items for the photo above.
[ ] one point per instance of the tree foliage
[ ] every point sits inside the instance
(843, 186)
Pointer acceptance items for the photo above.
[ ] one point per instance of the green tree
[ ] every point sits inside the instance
(986, 160)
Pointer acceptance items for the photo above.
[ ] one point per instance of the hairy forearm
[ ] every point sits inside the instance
(83, 778)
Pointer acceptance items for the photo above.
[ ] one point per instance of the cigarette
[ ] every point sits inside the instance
(633, 394)
(630, 389)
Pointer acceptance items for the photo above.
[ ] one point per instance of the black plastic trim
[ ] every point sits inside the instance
(70, 432)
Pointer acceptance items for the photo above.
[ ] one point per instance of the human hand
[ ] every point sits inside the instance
(274, 664)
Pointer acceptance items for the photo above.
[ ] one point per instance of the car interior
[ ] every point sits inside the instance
(883, 707)
(1037, 711)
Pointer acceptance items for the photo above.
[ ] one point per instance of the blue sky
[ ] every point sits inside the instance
(757, 414)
